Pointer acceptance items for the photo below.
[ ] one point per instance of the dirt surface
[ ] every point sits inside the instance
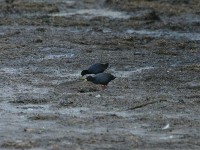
(153, 47)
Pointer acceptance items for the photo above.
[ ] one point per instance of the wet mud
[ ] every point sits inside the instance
(153, 48)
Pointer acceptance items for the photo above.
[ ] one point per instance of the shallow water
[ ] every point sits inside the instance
(58, 56)
(90, 13)
(44, 105)
(167, 34)
(126, 74)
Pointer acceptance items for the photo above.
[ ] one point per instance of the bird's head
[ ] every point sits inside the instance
(89, 78)
(84, 72)
(107, 64)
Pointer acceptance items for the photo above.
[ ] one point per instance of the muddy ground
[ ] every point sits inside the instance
(153, 47)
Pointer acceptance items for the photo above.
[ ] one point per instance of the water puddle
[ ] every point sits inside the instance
(84, 112)
(76, 112)
(58, 56)
(12, 91)
(6, 92)
(30, 89)
(81, 112)
(9, 70)
(63, 73)
(168, 34)
(158, 137)
(182, 115)
(96, 130)
(78, 29)
(53, 1)
(124, 114)
(90, 13)
(125, 74)
(30, 108)
(184, 19)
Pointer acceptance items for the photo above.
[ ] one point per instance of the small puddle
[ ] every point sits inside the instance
(12, 91)
(126, 74)
(84, 112)
(29, 108)
(156, 137)
(7, 70)
(45, 109)
(96, 130)
(90, 13)
(171, 34)
(54, 56)
(184, 19)
(124, 114)
(30, 89)
(75, 112)
(63, 73)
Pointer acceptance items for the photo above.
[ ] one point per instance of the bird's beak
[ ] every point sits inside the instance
(82, 78)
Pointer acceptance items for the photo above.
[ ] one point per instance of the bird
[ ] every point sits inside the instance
(9, 1)
(101, 78)
(95, 69)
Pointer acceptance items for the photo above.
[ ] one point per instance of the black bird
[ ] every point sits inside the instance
(95, 69)
(101, 78)
(9, 1)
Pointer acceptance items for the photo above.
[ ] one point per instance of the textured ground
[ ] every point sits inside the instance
(153, 48)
